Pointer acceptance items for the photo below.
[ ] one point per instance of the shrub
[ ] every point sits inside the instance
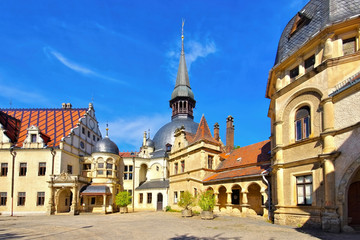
(123, 199)
(187, 200)
(206, 200)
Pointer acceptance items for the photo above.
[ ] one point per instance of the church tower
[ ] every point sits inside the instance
(182, 98)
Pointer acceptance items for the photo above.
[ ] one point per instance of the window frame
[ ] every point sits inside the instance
(305, 195)
(4, 169)
(176, 168)
(149, 198)
(22, 169)
(40, 199)
(141, 197)
(42, 169)
(302, 125)
(210, 161)
(182, 163)
(347, 41)
(176, 199)
(128, 172)
(3, 198)
(69, 169)
(21, 199)
(33, 138)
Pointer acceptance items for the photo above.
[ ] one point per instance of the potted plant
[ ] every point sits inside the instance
(187, 201)
(123, 199)
(206, 203)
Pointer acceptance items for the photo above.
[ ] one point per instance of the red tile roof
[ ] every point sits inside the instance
(11, 126)
(128, 154)
(54, 124)
(203, 132)
(235, 173)
(245, 161)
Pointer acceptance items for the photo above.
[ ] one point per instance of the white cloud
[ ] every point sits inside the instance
(77, 67)
(131, 130)
(193, 50)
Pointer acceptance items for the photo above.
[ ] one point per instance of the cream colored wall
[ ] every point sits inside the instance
(344, 115)
(31, 183)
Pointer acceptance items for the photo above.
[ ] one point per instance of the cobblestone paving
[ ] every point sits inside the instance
(152, 225)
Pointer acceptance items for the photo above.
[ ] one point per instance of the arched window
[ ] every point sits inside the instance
(302, 123)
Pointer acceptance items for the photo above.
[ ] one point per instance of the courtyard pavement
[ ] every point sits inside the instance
(152, 225)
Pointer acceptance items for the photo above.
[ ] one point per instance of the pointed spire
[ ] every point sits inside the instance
(182, 86)
(203, 132)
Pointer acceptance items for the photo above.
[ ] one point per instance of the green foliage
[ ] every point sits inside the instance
(123, 199)
(236, 147)
(187, 200)
(207, 201)
(169, 209)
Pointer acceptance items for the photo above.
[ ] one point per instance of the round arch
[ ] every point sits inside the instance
(255, 199)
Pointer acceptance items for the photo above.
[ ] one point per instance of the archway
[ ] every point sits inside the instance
(222, 197)
(64, 201)
(255, 198)
(354, 200)
(142, 173)
(159, 206)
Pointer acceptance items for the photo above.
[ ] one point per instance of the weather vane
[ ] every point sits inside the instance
(182, 28)
(107, 129)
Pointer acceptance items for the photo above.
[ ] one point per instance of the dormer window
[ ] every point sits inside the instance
(309, 63)
(300, 21)
(33, 138)
(294, 72)
(168, 147)
(349, 46)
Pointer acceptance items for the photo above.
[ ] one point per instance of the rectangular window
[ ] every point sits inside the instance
(141, 198)
(304, 190)
(93, 201)
(83, 130)
(93, 137)
(33, 138)
(40, 198)
(87, 166)
(69, 169)
(309, 63)
(42, 169)
(302, 128)
(100, 165)
(3, 198)
(294, 72)
(175, 197)
(4, 169)
(128, 172)
(176, 168)
(89, 134)
(108, 172)
(182, 166)
(100, 172)
(181, 194)
(210, 162)
(21, 198)
(23, 169)
(149, 197)
(349, 46)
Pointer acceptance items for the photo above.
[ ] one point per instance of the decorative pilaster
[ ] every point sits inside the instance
(244, 203)
(228, 201)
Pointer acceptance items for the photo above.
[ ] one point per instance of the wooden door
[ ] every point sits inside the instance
(354, 204)
(159, 202)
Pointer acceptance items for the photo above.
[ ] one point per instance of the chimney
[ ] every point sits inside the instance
(229, 133)
(63, 105)
(216, 132)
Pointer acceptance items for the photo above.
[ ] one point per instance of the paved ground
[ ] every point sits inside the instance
(151, 225)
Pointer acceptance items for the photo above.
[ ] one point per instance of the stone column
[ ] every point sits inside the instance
(217, 205)
(265, 205)
(51, 203)
(228, 201)
(279, 186)
(328, 115)
(74, 205)
(278, 133)
(104, 204)
(244, 203)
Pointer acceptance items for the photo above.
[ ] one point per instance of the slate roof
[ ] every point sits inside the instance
(154, 184)
(244, 161)
(53, 124)
(96, 190)
(321, 14)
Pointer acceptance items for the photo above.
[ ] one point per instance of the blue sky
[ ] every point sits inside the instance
(123, 56)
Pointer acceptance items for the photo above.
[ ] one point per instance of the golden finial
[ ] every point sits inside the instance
(182, 28)
(107, 130)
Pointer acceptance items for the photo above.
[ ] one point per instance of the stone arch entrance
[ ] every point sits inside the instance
(64, 200)
(354, 203)
(255, 198)
(159, 206)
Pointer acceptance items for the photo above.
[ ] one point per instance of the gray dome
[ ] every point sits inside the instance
(319, 14)
(105, 145)
(182, 91)
(166, 133)
(150, 143)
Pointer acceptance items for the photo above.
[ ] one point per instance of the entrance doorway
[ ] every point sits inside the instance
(354, 204)
(159, 202)
(64, 201)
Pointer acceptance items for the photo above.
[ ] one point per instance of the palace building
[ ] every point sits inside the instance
(315, 121)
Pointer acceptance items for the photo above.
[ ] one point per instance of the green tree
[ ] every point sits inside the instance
(207, 200)
(187, 200)
(123, 199)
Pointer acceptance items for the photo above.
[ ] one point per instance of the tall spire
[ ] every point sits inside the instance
(182, 98)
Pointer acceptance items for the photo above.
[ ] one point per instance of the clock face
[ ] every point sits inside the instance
(92, 124)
